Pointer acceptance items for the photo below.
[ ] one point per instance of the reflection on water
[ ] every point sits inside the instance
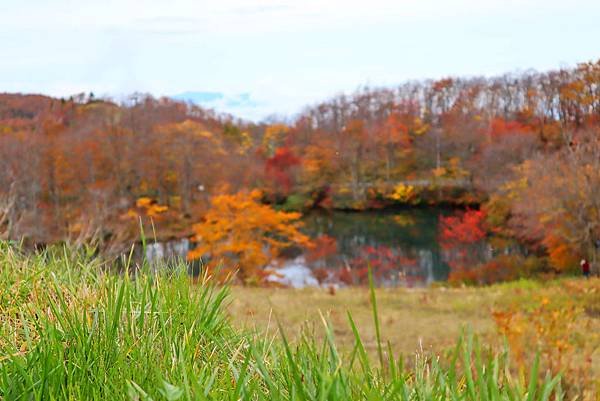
(294, 273)
(167, 250)
(400, 247)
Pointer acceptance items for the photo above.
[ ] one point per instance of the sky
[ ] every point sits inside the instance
(258, 58)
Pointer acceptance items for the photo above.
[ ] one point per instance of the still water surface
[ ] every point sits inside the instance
(401, 247)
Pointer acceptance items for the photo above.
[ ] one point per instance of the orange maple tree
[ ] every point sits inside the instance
(238, 231)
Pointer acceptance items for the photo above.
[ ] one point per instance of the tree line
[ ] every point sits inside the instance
(522, 148)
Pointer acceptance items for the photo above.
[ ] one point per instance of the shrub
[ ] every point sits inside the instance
(500, 268)
(549, 327)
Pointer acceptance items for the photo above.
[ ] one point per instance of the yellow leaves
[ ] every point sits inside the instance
(404, 220)
(245, 142)
(452, 170)
(497, 210)
(548, 327)
(155, 210)
(319, 163)
(189, 126)
(132, 214)
(192, 131)
(456, 171)
(143, 202)
(344, 189)
(403, 193)
(239, 231)
(171, 177)
(175, 201)
(145, 207)
(439, 172)
(420, 128)
(513, 189)
(144, 186)
(276, 131)
(204, 134)
(274, 137)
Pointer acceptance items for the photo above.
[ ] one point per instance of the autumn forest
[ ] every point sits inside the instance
(516, 158)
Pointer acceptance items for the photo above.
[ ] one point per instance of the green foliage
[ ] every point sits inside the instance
(70, 332)
(296, 203)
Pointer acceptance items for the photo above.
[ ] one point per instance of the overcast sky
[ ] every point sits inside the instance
(283, 54)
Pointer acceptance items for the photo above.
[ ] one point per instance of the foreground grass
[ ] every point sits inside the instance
(429, 319)
(70, 332)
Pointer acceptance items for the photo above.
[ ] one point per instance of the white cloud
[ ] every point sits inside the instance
(255, 15)
(285, 53)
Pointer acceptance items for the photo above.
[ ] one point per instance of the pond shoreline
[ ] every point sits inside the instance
(400, 244)
(401, 207)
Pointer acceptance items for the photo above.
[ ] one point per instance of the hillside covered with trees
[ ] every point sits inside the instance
(521, 150)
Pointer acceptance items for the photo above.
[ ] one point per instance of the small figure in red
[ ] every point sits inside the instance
(585, 268)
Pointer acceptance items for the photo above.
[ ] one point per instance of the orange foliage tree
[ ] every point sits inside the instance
(238, 231)
(555, 202)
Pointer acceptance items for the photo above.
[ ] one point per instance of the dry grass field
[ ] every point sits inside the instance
(432, 319)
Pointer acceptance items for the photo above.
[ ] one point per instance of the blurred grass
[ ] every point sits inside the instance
(421, 319)
(71, 329)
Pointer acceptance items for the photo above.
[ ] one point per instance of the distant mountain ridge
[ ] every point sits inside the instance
(199, 97)
(217, 99)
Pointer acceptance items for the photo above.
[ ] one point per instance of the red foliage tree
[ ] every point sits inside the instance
(462, 228)
(500, 127)
(279, 168)
(462, 237)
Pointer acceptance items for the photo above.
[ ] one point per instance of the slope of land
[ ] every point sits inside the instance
(71, 330)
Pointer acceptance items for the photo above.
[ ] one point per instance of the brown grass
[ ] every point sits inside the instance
(413, 319)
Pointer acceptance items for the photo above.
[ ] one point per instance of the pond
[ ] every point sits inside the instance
(401, 247)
